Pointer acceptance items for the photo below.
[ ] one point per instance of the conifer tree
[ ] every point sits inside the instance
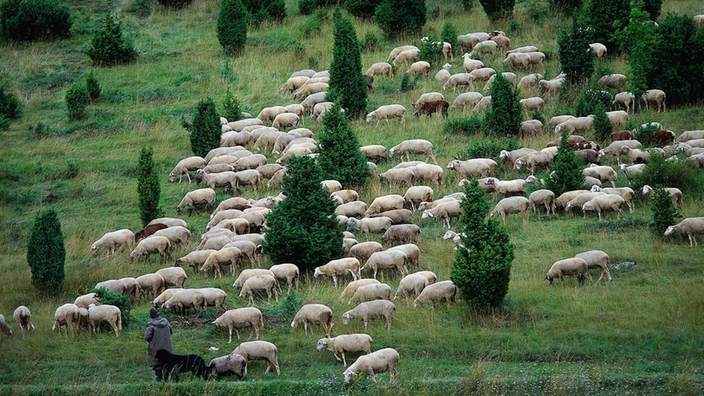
(46, 253)
(109, 47)
(399, 17)
(664, 213)
(575, 58)
(340, 157)
(602, 125)
(567, 171)
(348, 87)
(602, 16)
(498, 9)
(205, 130)
(232, 26)
(303, 228)
(482, 268)
(232, 107)
(505, 115)
(449, 35)
(148, 186)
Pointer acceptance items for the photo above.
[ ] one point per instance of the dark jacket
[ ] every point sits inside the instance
(158, 335)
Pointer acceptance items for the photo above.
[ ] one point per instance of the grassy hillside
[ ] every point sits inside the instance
(640, 334)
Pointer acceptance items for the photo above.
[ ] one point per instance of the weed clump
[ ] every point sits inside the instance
(77, 99)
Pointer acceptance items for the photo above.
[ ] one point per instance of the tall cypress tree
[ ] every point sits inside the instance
(482, 268)
(340, 157)
(567, 171)
(205, 130)
(348, 87)
(576, 60)
(664, 213)
(232, 26)
(504, 117)
(303, 228)
(46, 253)
(148, 186)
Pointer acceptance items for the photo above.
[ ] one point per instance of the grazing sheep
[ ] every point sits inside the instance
(636, 155)
(159, 301)
(346, 195)
(533, 103)
(310, 101)
(184, 299)
(625, 99)
(406, 57)
(588, 156)
(115, 286)
(420, 67)
(227, 365)
(377, 362)
(512, 156)
(387, 112)
(534, 160)
(363, 250)
(286, 120)
(259, 350)
(690, 226)
(351, 209)
(590, 182)
(23, 317)
(618, 118)
(296, 109)
(370, 225)
(261, 283)
(429, 108)
(622, 135)
(624, 192)
(470, 64)
(176, 235)
(468, 41)
(598, 49)
(515, 60)
(388, 259)
(537, 58)
(411, 285)
(371, 310)
(339, 267)
(152, 245)
(568, 267)
(149, 230)
(412, 253)
(195, 259)
(512, 205)
(384, 203)
(286, 272)
(249, 273)
(661, 138)
(698, 20)
(563, 199)
(437, 293)
(459, 79)
(690, 135)
(596, 259)
(109, 314)
(604, 204)
(399, 176)
(531, 128)
(551, 86)
(580, 200)
(64, 316)
(444, 212)
(613, 81)
(374, 152)
(85, 300)
(401, 233)
(294, 83)
(511, 77)
(195, 198)
(113, 240)
(485, 46)
(428, 173)
(309, 89)
(615, 148)
(466, 99)
(150, 284)
(603, 173)
(544, 197)
(529, 81)
(224, 256)
(184, 167)
(314, 313)
(4, 327)
(417, 194)
(655, 97)
(241, 318)
(381, 69)
(576, 125)
(396, 51)
(471, 168)
(173, 276)
(483, 105)
(346, 343)
(675, 193)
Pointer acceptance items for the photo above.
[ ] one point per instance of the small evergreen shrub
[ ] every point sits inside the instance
(77, 99)
(205, 130)
(567, 170)
(407, 84)
(148, 187)
(175, 4)
(601, 15)
(489, 149)
(105, 296)
(10, 107)
(431, 51)
(232, 109)
(602, 126)
(232, 26)
(399, 17)
(462, 125)
(46, 253)
(371, 42)
(340, 157)
(592, 99)
(362, 8)
(576, 60)
(306, 7)
(109, 47)
(505, 115)
(93, 87)
(538, 116)
(664, 213)
(28, 20)
(644, 132)
(498, 9)
(449, 35)
(311, 27)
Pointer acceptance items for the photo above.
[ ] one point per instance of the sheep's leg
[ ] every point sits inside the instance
(334, 279)
(388, 324)
(276, 295)
(188, 176)
(690, 240)
(344, 361)
(268, 296)
(268, 366)
(305, 327)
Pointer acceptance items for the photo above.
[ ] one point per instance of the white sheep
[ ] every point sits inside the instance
(470, 64)
(374, 152)
(512, 156)
(85, 300)
(466, 99)
(115, 286)
(169, 222)
(184, 167)
(411, 285)
(164, 297)
(64, 316)
(437, 293)
(517, 59)
(241, 318)
(227, 365)
(113, 240)
(406, 57)
(387, 112)
(596, 259)
(473, 167)
(427, 97)
(444, 212)
(173, 276)
(351, 209)
(286, 120)
(294, 83)
(200, 197)
(384, 203)
(332, 185)
(309, 89)
(531, 128)
(625, 192)
(604, 204)
(675, 193)
(259, 350)
(176, 235)
(507, 187)
(184, 299)
(417, 194)
(444, 73)
(221, 257)
(377, 362)
(690, 135)
(551, 86)
(346, 343)
(381, 69)
(249, 273)
(533, 103)
(314, 313)
(261, 283)
(603, 173)
(512, 205)
(543, 197)
(534, 160)
(150, 284)
(363, 250)
(613, 81)
(618, 118)
(369, 225)
(400, 176)
(576, 125)
(151, 245)
(310, 101)
(109, 314)
(420, 67)
(458, 79)
(625, 99)
(469, 40)
(376, 291)
(388, 259)
(401, 233)
(339, 267)
(598, 49)
(370, 310)
(690, 226)
(23, 317)
(195, 259)
(568, 267)
(654, 97)
(286, 272)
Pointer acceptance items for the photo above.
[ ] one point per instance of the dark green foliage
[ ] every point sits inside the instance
(205, 130)
(505, 115)
(644, 132)
(92, 86)
(679, 52)
(10, 107)
(567, 6)
(576, 60)
(602, 126)
(449, 35)
(280, 314)
(538, 116)
(141, 8)
(399, 17)
(362, 8)
(498, 9)
(27, 20)
(148, 187)
(592, 99)
(681, 174)
(340, 157)
(348, 87)
(232, 109)
(489, 149)
(652, 7)
(46, 253)
(232, 26)
(371, 42)
(265, 9)
(311, 27)
(601, 15)
(484, 274)
(105, 296)
(303, 228)
(468, 5)
(108, 47)
(77, 99)
(638, 41)
(407, 84)
(306, 7)
(431, 51)
(463, 125)
(4, 122)
(664, 213)
(175, 4)
(567, 170)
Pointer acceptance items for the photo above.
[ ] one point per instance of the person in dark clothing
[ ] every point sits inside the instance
(158, 335)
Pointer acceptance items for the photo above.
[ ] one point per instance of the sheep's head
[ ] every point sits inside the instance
(133, 256)
(671, 229)
(624, 150)
(646, 189)
(623, 167)
(317, 272)
(345, 318)
(426, 214)
(518, 164)
(449, 235)
(172, 177)
(531, 179)
(595, 188)
(503, 155)
(558, 128)
(392, 152)
(94, 248)
(549, 278)
(322, 344)
(348, 375)
(352, 223)
(452, 164)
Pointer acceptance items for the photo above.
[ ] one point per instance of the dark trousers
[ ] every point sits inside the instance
(157, 374)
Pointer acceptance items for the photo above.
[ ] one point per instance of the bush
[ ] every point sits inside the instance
(205, 130)
(108, 47)
(371, 42)
(407, 84)
(232, 110)
(303, 229)
(261, 10)
(93, 87)
(232, 26)
(348, 87)
(664, 213)
(652, 7)
(489, 149)
(46, 253)
(592, 99)
(105, 296)
(505, 115)
(340, 157)
(148, 187)
(498, 9)
(482, 276)
(567, 171)
(567, 6)
(399, 17)
(311, 27)
(77, 99)
(449, 35)
(306, 7)
(463, 125)
(431, 51)
(141, 8)
(175, 4)
(538, 116)
(602, 126)
(10, 107)
(681, 174)
(27, 20)
(362, 8)
(644, 132)
(468, 5)
(601, 15)
(577, 63)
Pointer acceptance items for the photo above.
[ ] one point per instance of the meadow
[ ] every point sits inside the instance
(640, 334)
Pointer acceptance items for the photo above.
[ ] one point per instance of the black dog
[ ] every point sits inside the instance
(175, 364)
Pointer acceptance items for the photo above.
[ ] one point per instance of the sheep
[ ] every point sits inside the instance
(310, 101)
(411, 285)
(150, 284)
(517, 59)
(615, 148)
(225, 214)
(412, 253)
(511, 77)
(596, 259)
(512, 156)
(363, 250)
(85, 300)
(346, 195)
(512, 205)
(176, 235)
(184, 167)
(568, 267)
(401, 233)
(306, 72)
(346, 343)
(259, 350)
(237, 226)
(227, 365)
(296, 109)
(23, 317)
(579, 201)
(613, 81)
(444, 212)
(287, 272)
(437, 292)
(270, 113)
(544, 197)
(195, 259)
(698, 20)
(320, 109)
(396, 51)
(622, 135)
(603, 173)
(332, 185)
(200, 197)
(257, 239)
(260, 283)
(661, 138)
(429, 108)
(534, 160)
(533, 103)
(427, 97)
(370, 225)
(374, 363)
(159, 301)
(625, 99)
(636, 155)
(655, 97)
(294, 83)
(420, 67)
(428, 173)
(351, 209)
(406, 57)
(618, 118)
(589, 182)
(446, 48)
(399, 176)
(151, 245)
(348, 243)
(370, 310)
(173, 276)
(458, 79)
(226, 255)
(624, 192)
(309, 89)
(486, 46)
(381, 69)
(113, 240)
(690, 135)
(588, 156)
(241, 318)
(286, 120)
(470, 64)
(314, 313)
(563, 199)
(529, 81)
(149, 230)
(605, 203)
(690, 226)
(388, 259)
(418, 194)
(517, 186)
(466, 99)
(576, 125)
(252, 161)
(115, 286)
(212, 180)
(531, 127)
(109, 314)
(339, 267)
(551, 86)
(598, 49)
(384, 203)
(371, 292)
(184, 299)
(5, 328)
(230, 139)
(675, 193)
(471, 168)
(387, 112)
(468, 41)
(249, 273)
(64, 316)
(374, 152)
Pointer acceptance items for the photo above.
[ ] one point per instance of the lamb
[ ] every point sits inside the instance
(543, 197)
(437, 293)
(605, 203)
(512, 205)
(384, 203)
(314, 313)
(286, 120)
(388, 259)
(286, 272)
(113, 240)
(150, 284)
(444, 212)
(259, 350)
(420, 67)
(531, 127)
(429, 108)
(173, 276)
(401, 233)
(85, 300)
(618, 118)
(241, 318)
(176, 235)
(596, 259)
(690, 226)
(675, 193)
(294, 83)
(184, 167)
(615, 148)
(374, 152)
(466, 99)
(598, 49)
(576, 125)
(613, 81)
(346, 343)
(374, 363)
(568, 267)
(260, 283)
(387, 112)
(411, 285)
(655, 97)
(115, 286)
(636, 155)
(381, 69)
(624, 192)
(23, 317)
(370, 310)
(64, 316)
(603, 173)
(200, 197)
(152, 245)
(406, 57)
(339, 267)
(250, 273)
(227, 365)
(534, 160)
(184, 299)
(370, 225)
(363, 250)
(195, 259)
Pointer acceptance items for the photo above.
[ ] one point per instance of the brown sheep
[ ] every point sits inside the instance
(660, 138)
(622, 135)
(433, 107)
(149, 230)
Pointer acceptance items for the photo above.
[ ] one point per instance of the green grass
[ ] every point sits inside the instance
(640, 334)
